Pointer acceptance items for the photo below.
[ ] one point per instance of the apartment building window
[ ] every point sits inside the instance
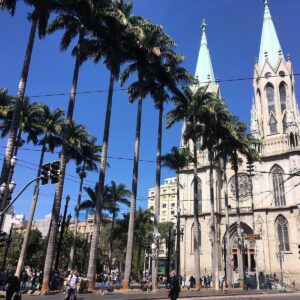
(172, 204)
(172, 212)
(164, 205)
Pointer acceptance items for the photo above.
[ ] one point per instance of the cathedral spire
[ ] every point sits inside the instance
(270, 45)
(204, 70)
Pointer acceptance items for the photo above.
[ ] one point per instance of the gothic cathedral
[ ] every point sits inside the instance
(272, 210)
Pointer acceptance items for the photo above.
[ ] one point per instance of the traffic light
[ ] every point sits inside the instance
(299, 250)
(54, 171)
(45, 174)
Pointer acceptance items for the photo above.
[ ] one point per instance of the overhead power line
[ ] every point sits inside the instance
(125, 89)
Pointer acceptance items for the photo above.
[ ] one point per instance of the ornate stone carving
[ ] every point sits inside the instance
(243, 184)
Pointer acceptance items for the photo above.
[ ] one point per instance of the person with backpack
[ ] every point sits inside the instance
(174, 287)
(71, 284)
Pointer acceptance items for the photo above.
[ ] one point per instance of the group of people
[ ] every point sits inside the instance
(190, 282)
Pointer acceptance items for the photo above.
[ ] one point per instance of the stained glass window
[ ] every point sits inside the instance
(278, 186)
(283, 234)
(282, 93)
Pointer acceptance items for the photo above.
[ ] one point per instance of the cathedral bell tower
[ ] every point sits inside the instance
(275, 114)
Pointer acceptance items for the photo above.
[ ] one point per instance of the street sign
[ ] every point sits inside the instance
(252, 237)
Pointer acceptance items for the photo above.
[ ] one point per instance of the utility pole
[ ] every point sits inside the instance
(61, 235)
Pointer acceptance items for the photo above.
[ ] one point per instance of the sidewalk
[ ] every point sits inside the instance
(163, 294)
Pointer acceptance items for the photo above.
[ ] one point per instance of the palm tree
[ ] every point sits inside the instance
(242, 146)
(39, 18)
(30, 120)
(152, 43)
(51, 123)
(6, 103)
(144, 225)
(88, 156)
(169, 73)
(215, 128)
(118, 194)
(192, 106)
(176, 161)
(111, 45)
(71, 18)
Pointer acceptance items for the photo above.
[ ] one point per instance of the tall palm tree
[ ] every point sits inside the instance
(118, 194)
(192, 106)
(87, 158)
(143, 226)
(6, 103)
(149, 47)
(71, 18)
(30, 120)
(242, 146)
(215, 128)
(111, 45)
(169, 73)
(176, 161)
(39, 18)
(51, 123)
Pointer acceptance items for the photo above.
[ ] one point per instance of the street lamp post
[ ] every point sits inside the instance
(7, 189)
(62, 230)
(154, 248)
(9, 239)
(242, 258)
(280, 256)
(224, 252)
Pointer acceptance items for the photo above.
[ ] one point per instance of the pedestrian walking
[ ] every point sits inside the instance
(174, 287)
(13, 287)
(71, 285)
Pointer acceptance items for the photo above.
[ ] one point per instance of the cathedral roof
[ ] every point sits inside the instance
(204, 70)
(270, 45)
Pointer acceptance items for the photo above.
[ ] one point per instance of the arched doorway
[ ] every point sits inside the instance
(248, 249)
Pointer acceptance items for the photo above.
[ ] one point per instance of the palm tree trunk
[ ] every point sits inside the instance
(73, 245)
(17, 109)
(213, 232)
(178, 227)
(157, 196)
(59, 186)
(31, 214)
(129, 248)
(91, 275)
(238, 223)
(196, 220)
(228, 246)
(111, 241)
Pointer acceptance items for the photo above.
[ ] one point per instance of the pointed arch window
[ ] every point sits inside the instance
(199, 196)
(282, 93)
(278, 186)
(284, 123)
(270, 98)
(273, 124)
(282, 234)
(193, 240)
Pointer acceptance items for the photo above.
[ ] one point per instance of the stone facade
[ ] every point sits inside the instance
(275, 123)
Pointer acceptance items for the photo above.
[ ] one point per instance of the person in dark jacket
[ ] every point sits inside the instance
(13, 285)
(174, 287)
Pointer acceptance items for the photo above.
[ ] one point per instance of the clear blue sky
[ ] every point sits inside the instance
(234, 30)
